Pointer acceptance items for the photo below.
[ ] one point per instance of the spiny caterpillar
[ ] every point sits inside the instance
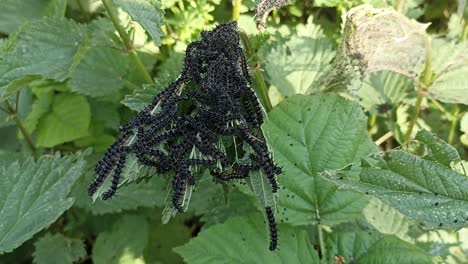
(273, 228)
(264, 7)
(210, 102)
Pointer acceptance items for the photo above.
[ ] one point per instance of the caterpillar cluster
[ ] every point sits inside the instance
(211, 100)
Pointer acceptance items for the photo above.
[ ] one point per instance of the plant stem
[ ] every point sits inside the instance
(261, 87)
(320, 235)
(399, 5)
(464, 35)
(414, 116)
(453, 126)
(321, 243)
(126, 41)
(426, 81)
(21, 127)
(236, 5)
(372, 121)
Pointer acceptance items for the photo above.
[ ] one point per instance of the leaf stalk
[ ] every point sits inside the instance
(126, 41)
(19, 123)
(261, 87)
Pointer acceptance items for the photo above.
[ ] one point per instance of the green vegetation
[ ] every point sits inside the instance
(366, 111)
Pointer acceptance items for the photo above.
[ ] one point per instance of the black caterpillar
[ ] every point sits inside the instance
(211, 100)
(273, 228)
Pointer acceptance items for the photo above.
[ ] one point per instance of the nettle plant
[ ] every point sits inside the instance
(201, 140)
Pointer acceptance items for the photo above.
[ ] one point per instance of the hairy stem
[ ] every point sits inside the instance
(236, 5)
(399, 5)
(261, 87)
(454, 122)
(426, 81)
(22, 128)
(126, 41)
(320, 236)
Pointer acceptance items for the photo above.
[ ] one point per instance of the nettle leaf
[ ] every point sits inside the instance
(223, 243)
(451, 68)
(140, 98)
(105, 113)
(162, 239)
(310, 134)
(45, 48)
(387, 220)
(40, 107)
(295, 65)
(372, 247)
(8, 158)
(424, 190)
(56, 8)
(33, 195)
(58, 249)
(439, 150)
(124, 243)
(132, 196)
(14, 13)
(68, 119)
(382, 88)
(147, 13)
(215, 204)
(99, 73)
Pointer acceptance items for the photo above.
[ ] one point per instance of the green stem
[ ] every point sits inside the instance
(372, 121)
(414, 117)
(22, 128)
(426, 81)
(261, 87)
(453, 126)
(236, 5)
(321, 242)
(126, 41)
(400, 5)
(464, 35)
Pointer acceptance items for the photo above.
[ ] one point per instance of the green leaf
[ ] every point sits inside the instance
(105, 113)
(244, 240)
(140, 98)
(128, 197)
(99, 73)
(216, 205)
(68, 120)
(46, 48)
(58, 249)
(8, 158)
(383, 88)
(33, 195)
(147, 13)
(40, 107)
(424, 190)
(124, 243)
(14, 13)
(310, 134)
(372, 247)
(440, 151)
(56, 8)
(162, 239)
(296, 65)
(386, 219)
(451, 69)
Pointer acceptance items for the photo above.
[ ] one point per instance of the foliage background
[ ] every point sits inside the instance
(72, 71)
